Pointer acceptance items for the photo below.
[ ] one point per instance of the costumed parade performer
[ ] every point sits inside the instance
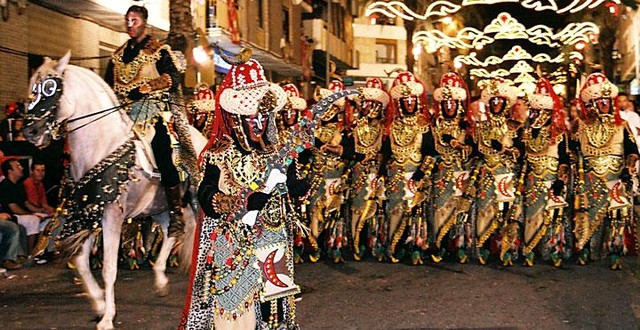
(409, 140)
(498, 207)
(290, 120)
(242, 277)
(201, 109)
(366, 184)
(327, 177)
(547, 160)
(454, 174)
(607, 157)
(145, 76)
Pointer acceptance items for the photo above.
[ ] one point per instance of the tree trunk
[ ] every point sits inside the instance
(607, 40)
(181, 22)
(410, 27)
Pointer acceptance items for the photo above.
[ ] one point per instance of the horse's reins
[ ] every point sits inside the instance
(105, 113)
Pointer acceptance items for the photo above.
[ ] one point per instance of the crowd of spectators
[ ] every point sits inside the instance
(24, 211)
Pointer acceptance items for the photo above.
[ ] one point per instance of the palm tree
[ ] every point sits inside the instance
(181, 20)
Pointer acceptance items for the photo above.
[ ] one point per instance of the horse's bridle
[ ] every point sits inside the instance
(45, 97)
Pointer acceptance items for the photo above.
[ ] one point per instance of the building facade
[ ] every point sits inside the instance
(381, 43)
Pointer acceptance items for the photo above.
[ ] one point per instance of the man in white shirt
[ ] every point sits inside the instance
(628, 114)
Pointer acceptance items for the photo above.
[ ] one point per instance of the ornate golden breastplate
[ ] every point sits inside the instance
(128, 76)
(446, 151)
(601, 138)
(493, 129)
(326, 133)
(237, 170)
(406, 139)
(367, 137)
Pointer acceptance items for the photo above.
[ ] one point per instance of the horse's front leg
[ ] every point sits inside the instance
(81, 261)
(161, 279)
(111, 230)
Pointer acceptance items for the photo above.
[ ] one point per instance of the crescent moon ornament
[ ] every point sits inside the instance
(269, 270)
(615, 193)
(502, 187)
(461, 179)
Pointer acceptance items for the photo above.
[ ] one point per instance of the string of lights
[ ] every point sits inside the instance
(504, 26)
(443, 8)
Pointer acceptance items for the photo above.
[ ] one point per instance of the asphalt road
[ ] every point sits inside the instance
(364, 295)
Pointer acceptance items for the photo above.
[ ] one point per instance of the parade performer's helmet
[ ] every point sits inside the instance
(498, 95)
(598, 94)
(373, 98)
(544, 97)
(338, 106)
(408, 92)
(296, 104)
(252, 102)
(204, 99)
(293, 94)
(450, 95)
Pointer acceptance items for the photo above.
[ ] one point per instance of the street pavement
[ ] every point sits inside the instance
(359, 295)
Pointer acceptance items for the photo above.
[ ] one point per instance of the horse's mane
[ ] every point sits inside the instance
(78, 76)
(90, 81)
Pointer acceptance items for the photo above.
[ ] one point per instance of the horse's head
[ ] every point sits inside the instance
(44, 118)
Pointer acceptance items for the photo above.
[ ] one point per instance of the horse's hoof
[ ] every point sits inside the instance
(99, 308)
(105, 325)
(163, 291)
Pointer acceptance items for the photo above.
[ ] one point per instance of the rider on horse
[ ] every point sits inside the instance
(141, 69)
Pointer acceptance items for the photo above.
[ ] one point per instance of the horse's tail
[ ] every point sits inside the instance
(188, 249)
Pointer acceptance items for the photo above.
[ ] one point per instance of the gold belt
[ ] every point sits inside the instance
(541, 165)
(602, 165)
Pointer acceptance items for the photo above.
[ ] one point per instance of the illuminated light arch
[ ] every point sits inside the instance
(443, 8)
(521, 67)
(516, 53)
(504, 26)
(524, 78)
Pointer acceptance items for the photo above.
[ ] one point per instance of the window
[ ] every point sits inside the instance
(286, 29)
(260, 13)
(385, 51)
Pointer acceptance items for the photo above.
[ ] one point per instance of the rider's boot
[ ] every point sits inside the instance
(176, 222)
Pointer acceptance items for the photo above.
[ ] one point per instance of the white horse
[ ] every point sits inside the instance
(71, 96)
